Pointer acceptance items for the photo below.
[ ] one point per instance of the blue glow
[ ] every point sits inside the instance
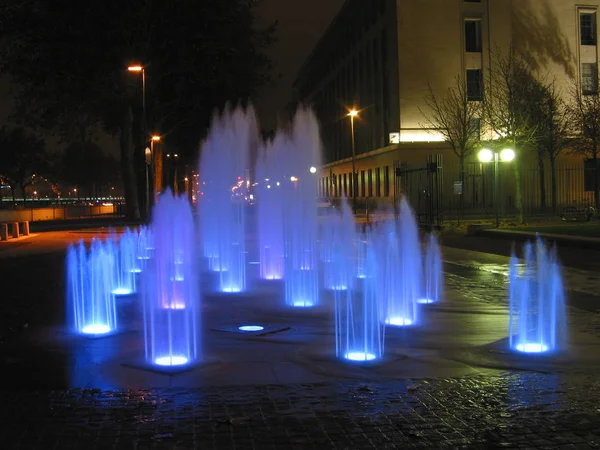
(432, 272)
(400, 275)
(251, 328)
(536, 301)
(359, 333)
(169, 289)
(171, 360)
(122, 291)
(339, 273)
(92, 307)
(224, 160)
(360, 356)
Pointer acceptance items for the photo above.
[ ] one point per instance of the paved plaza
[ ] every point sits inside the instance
(449, 383)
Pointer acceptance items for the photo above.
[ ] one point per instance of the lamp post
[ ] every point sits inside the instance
(485, 156)
(142, 70)
(149, 156)
(352, 114)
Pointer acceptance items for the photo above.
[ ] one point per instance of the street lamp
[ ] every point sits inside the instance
(352, 114)
(142, 69)
(485, 156)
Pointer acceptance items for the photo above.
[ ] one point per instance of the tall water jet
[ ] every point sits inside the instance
(359, 331)
(170, 295)
(145, 246)
(300, 212)
(270, 167)
(89, 289)
(223, 172)
(536, 301)
(432, 272)
(400, 280)
(123, 249)
(339, 272)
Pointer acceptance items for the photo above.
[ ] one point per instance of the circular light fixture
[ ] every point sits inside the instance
(313, 169)
(399, 321)
(171, 361)
(507, 155)
(360, 356)
(485, 155)
(96, 329)
(251, 328)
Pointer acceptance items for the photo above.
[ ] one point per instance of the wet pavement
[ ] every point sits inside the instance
(447, 384)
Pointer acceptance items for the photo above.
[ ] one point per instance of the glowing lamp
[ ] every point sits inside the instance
(135, 68)
(313, 169)
(507, 155)
(485, 155)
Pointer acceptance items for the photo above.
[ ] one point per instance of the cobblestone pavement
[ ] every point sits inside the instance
(518, 410)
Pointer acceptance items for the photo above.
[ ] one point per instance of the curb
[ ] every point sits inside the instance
(559, 239)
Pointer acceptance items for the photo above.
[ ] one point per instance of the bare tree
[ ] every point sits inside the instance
(554, 132)
(585, 117)
(509, 109)
(457, 119)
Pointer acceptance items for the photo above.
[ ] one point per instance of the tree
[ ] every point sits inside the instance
(22, 157)
(510, 108)
(585, 118)
(70, 58)
(553, 133)
(84, 165)
(457, 118)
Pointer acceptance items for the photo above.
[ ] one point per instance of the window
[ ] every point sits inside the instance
(370, 182)
(587, 28)
(473, 35)
(475, 127)
(378, 182)
(589, 78)
(362, 184)
(386, 181)
(474, 85)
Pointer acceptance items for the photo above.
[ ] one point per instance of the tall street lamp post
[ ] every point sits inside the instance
(142, 70)
(352, 114)
(485, 156)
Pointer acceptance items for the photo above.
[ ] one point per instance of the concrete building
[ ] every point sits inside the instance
(382, 56)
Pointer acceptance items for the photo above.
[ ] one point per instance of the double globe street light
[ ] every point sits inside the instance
(486, 156)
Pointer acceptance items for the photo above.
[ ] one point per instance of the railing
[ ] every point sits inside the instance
(56, 213)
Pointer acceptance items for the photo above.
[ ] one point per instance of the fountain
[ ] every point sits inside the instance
(89, 288)
(536, 301)
(223, 172)
(170, 296)
(359, 331)
(270, 209)
(432, 272)
(400, 278)
(300, 212)
(145, 247)
(339, 271)
(125, 264)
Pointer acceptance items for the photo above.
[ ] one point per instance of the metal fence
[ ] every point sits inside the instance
(574, 187)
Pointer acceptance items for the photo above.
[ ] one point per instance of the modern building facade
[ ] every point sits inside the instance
(381, 57)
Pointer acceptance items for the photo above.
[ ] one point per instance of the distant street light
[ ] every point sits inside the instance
(352, 114)
(313, 169)
(485, 156)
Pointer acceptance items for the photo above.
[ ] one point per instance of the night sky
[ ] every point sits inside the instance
(301, 24)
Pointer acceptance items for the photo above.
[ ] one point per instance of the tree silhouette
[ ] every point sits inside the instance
(70, 58)
(22, 157)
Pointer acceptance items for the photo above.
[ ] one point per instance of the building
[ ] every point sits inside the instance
(383, 56)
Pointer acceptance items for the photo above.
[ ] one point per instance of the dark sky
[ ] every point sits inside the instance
(301, 24)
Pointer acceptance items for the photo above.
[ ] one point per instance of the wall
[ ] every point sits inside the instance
(58, 213)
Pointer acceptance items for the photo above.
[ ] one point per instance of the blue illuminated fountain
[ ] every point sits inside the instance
(89, 289)
(300, 212)
(339, 271)
(400, 277)
(432, 272)
(123, 249)
(271, 196)
(224, 163)
(536, 301)
(170, 295)
(359, 331)
(145, 246)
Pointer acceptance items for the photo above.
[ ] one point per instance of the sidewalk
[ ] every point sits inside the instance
(559, 239)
